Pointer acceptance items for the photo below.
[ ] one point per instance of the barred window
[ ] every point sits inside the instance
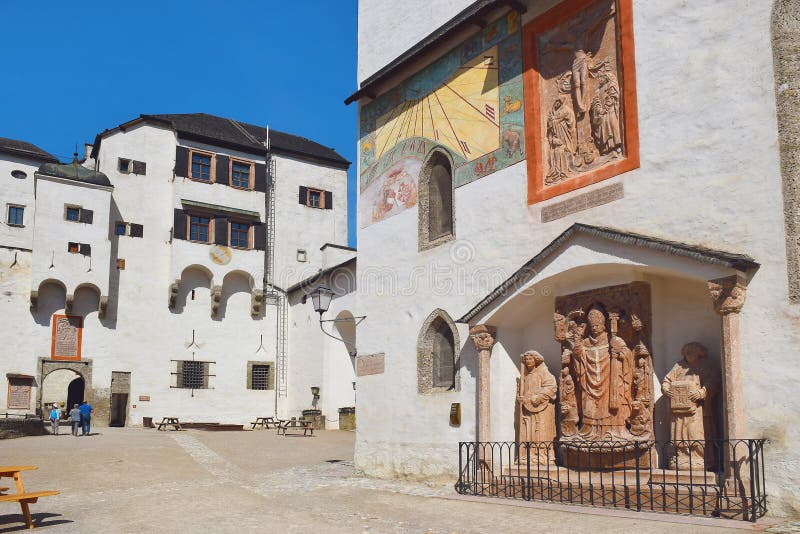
(192, 374)
(260, 376)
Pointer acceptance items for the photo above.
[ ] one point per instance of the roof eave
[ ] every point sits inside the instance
(472, 15)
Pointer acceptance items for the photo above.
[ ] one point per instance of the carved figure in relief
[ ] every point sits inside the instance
(602, 366)
(690, 386)
(562, 141)
(577, 45)
(535, 406)
(569, 405)
(604, 111)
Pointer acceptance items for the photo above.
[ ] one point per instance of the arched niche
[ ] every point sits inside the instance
(437, 354)
(436, 189)
(194, 288)
(237, 287)
(85, 300)
(50, 298)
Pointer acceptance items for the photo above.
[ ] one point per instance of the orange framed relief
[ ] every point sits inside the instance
(67, 333)
(581, 123)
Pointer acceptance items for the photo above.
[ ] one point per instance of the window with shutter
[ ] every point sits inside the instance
(124, 165)
(179, 224)
(181, 161)
(199, 228)
(240, 233)
(241, 174)
(201, 166)
(223, 169)
(328, 203)
(86, 216)
(120, 228)
(72, 213)
(260, 236)
(220, 230)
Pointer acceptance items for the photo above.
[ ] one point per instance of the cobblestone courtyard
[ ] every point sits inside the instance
(135, 480)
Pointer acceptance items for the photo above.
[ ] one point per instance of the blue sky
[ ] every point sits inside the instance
(73, 69)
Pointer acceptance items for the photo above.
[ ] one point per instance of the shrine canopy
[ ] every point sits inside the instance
(585, 257)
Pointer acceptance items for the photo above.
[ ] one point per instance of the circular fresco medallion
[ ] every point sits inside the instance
(220, 254)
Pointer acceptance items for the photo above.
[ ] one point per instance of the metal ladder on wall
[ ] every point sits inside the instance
(274, 295)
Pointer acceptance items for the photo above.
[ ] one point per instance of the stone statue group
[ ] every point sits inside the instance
(604, 394)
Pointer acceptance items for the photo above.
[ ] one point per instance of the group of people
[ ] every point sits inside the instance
(80, 416)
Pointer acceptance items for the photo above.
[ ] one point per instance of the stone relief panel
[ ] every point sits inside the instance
(607, 371)
(581, 119)
(468, 102)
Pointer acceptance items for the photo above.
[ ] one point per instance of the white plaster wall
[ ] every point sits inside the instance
(318, 360)
(299, 227)
(52, 232)
(709, 175)
(18, 192)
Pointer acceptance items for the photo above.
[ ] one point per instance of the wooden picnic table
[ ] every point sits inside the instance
(265, 422)
(296, 427)
(24, 499)
(170, 421)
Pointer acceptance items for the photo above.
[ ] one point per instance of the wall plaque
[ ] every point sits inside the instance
(19, 393)
(370, 364)
(144, 398)
(583, 201)
(67, 332)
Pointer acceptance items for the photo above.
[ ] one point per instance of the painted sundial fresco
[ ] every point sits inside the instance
(468, 102)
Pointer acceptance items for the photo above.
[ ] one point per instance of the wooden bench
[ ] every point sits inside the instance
(296, 427)
(170, 421)
(265, 422)
(22, 497)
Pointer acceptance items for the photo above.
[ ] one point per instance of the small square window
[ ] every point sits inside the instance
(73, 213)
(302, 255)
(73, 248)
(239, 234)
(240, 175)
(15, 215)
(120, 228)
(137, 230)
(125, 166)
(314, 198)
(201, 167)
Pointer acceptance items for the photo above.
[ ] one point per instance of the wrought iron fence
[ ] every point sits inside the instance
(717, 478)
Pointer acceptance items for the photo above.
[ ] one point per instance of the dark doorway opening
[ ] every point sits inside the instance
(75, 393)
(119, 408)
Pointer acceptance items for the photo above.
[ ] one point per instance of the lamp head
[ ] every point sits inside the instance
(321, 299)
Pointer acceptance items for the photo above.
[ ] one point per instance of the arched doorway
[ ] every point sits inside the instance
(75, 392)
(64, 387)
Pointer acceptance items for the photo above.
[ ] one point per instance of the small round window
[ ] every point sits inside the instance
(19, 174)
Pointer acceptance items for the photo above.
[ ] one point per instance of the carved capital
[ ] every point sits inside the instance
(103, 307)
(727, 294)
(216, 298)
(69, 301)
(484, 336)
(174, 287)
(256, 300)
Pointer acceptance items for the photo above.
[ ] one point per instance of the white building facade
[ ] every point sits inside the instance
(153, 279)
(492, 184)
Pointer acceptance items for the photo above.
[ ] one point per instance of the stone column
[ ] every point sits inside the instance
(484, 337)
(728, 296)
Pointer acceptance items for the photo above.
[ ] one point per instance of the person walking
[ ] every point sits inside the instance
(55, 417)
(75, 419)
(86, 417)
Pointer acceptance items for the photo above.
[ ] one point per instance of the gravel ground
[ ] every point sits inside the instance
(137, 480)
